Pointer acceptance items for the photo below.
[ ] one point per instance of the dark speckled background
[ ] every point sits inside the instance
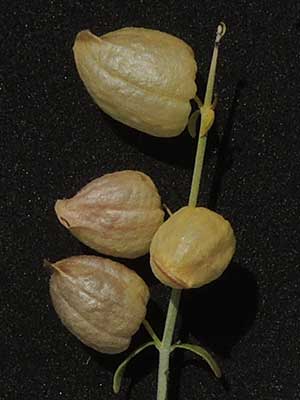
(54, 140)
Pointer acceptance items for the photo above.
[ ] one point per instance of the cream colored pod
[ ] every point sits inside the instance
(100, 301)
(192, 248)
(143, 78)
(116, 214)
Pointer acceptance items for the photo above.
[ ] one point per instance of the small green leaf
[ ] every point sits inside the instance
(200, 351)
(121, 369)
(192, 124)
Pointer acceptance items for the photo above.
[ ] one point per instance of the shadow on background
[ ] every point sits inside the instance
(217, 316)
(225, 151)
(179, 150)
(297, 24)
(221, 313)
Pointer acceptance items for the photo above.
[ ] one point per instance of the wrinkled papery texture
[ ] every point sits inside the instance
(192, 248)
(141, 77)
(115, 215)
(100, 301)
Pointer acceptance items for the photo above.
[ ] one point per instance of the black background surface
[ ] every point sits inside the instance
(54, 140)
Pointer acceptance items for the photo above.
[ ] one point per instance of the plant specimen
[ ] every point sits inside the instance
(145, 79)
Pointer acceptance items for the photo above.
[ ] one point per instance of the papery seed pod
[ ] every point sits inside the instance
(192, 248)
(116, 214)
(100, 301)
(141, 77)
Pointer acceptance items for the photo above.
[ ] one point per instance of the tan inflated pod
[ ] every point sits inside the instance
(192, 248)
(100, 301)
(115, 215)
(142, 77)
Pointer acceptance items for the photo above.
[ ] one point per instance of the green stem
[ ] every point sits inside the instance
(197, 170)
(165, 347)
(199, 159)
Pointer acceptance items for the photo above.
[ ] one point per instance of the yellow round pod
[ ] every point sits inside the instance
(143, 78)
(192, 248)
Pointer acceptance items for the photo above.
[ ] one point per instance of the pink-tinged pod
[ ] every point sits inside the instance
(143, 78)
(100, 301)
(116, 214)
(192, 248)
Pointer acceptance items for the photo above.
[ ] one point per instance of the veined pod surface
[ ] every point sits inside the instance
(143, 78)
(100, 301)
(192, 248)
(116, 214)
